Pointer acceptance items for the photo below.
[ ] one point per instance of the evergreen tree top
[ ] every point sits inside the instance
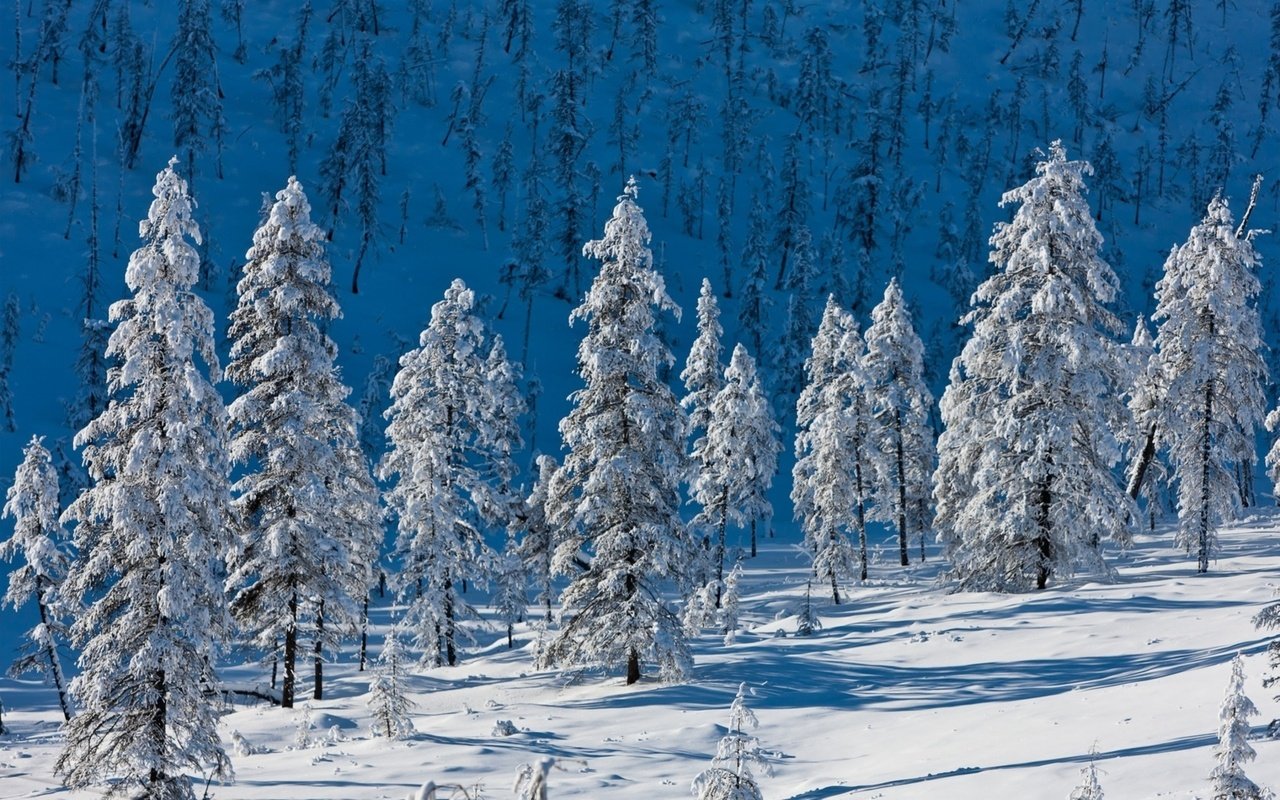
(168, 256)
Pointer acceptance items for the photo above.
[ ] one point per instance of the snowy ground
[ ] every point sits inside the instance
(906, 692)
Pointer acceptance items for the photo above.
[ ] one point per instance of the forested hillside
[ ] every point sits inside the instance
(782, 149)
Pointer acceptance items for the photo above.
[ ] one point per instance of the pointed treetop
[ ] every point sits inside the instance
(169, 218)
(1142, 334)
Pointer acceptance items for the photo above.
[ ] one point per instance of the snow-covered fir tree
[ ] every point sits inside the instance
(730, 776)
(730, 603)
(735, 459)
(1209, 350)
(1024, 487)
(703, 374)
(537, 545)
(1089, 787)
(310, 529)
(32, 504)
(616, 498)
(390, 708)
(1233, 750)
(1147, 473)
(450, 432)
(831, 479)
(511, 600)
(151, 531)
(901, 403)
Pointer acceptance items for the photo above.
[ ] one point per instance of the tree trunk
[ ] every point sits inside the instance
(450, 647)
(364, 634)
(51, 652)
(902, 492)
(923, 508)
(862, 522)
(318, 691)
(835, 586)
(1206, 452)
(1144, 461)
(288, 686)
(1044, 543)
(753, 537)
(724, 521)
(156, 730)
(633, 667)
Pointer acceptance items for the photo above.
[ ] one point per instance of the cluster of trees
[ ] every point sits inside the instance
(172, 557)
(1035, 415)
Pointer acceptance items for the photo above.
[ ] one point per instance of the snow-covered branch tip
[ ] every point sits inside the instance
(1243, 229)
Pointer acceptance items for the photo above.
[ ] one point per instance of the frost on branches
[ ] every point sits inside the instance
(151, 532)
(32, 504)
(1209, 350)
(453, 424)
(730, 776)
(702, 373)
(1089, 788)
(537, 546)
(390, 708)
(1233, 750)
(1024, 487)
(831, 477)
(736, 459)
(309, 524)
(901, 434)
(615, 499)
(1147, 474)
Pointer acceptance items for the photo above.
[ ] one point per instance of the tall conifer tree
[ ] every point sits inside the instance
(616, 495)
(152, 531)
(310, 526)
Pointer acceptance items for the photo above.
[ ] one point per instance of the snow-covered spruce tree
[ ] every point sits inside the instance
(537, 546)
(901, 403)
(703, 374)
(450, 433)
(1233, 750)
(1147, 473)
(510, 601)
(310, 529)
(151, 532)
(389, 706)
(1089, 787)
(1209, 350)
(616, 495)
(32, 504)
(730, 603)
(1024, 487)
(735, 458)
(730, 776)
(831, 479)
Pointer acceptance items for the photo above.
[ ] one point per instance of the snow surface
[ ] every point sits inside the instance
(907, 691)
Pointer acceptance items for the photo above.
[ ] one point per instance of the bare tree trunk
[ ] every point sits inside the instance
(289, 685)
(364, 633)
(1206, 452)
(318, 690)
(1145, 458)
(902, 492)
